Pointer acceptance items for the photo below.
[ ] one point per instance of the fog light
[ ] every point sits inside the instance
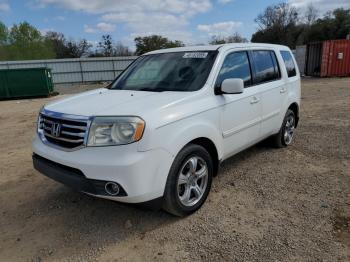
(112, 188)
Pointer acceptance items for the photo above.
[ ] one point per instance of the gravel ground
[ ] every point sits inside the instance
(266, 204)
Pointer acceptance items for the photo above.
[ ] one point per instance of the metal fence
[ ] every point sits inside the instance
(77, 70)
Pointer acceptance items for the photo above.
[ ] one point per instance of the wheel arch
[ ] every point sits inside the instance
(210, 146)
(190, 131)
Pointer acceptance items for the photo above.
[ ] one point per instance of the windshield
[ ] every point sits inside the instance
(180, 71)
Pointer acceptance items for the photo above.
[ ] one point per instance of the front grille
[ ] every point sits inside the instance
(63, 132)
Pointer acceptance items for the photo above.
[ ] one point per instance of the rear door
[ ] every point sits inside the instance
(272, 87)
(293, 76)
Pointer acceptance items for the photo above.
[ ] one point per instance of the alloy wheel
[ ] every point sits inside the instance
(192, 181)
(289, 129)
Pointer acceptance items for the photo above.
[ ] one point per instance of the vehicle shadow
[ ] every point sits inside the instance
(92, 211)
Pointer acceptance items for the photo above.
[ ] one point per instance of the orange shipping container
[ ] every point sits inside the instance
(335, 58)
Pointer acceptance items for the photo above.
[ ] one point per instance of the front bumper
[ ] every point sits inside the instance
(71, 177)
(142, 175)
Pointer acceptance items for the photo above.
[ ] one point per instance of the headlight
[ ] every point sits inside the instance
(108, 131)
(39, 123)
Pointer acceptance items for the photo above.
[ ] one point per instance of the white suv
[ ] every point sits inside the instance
(159, 132)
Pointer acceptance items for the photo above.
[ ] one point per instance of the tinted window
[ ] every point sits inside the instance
(265, 66)
(288, 61)
(236, 65)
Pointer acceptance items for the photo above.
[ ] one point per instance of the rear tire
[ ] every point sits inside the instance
(189, 181)
(286, 134)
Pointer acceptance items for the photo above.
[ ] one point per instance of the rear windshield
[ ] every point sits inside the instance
(180, 71)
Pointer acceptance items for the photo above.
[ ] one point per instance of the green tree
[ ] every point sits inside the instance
(59, 44)
(154, 42)
(3, 34)
(334, 25)
(3, 41)
(68, 49)
(341, 23)
(26, 42)
(281, 24)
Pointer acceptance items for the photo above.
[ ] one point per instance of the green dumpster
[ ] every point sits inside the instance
(25, 82)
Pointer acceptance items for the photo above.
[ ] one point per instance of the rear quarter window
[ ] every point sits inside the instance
(289, 63)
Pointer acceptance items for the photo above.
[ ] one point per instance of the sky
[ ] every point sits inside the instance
(191, 21)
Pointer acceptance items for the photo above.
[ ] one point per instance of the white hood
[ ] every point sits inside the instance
(105, 102)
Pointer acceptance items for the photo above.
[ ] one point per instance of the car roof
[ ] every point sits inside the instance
(222, 47)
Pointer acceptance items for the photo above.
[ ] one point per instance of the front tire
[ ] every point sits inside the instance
(286, 134)
(189, 181)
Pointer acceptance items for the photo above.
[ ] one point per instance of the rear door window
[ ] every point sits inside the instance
(288, 61)
(236, 65)
(265, 66)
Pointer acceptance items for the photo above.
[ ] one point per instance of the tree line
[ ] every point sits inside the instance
(23, 42)
(286, 25)
(279, 24)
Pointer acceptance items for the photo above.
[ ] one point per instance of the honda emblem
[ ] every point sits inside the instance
(56, 129)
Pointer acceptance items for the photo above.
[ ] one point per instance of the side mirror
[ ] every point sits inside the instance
(230, 86)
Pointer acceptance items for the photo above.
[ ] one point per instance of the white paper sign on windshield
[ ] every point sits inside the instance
(195, 55)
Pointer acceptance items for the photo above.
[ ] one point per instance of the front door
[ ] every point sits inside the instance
(241, 113)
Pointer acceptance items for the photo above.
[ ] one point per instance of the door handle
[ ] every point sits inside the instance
(283, 90)
(254, 100)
